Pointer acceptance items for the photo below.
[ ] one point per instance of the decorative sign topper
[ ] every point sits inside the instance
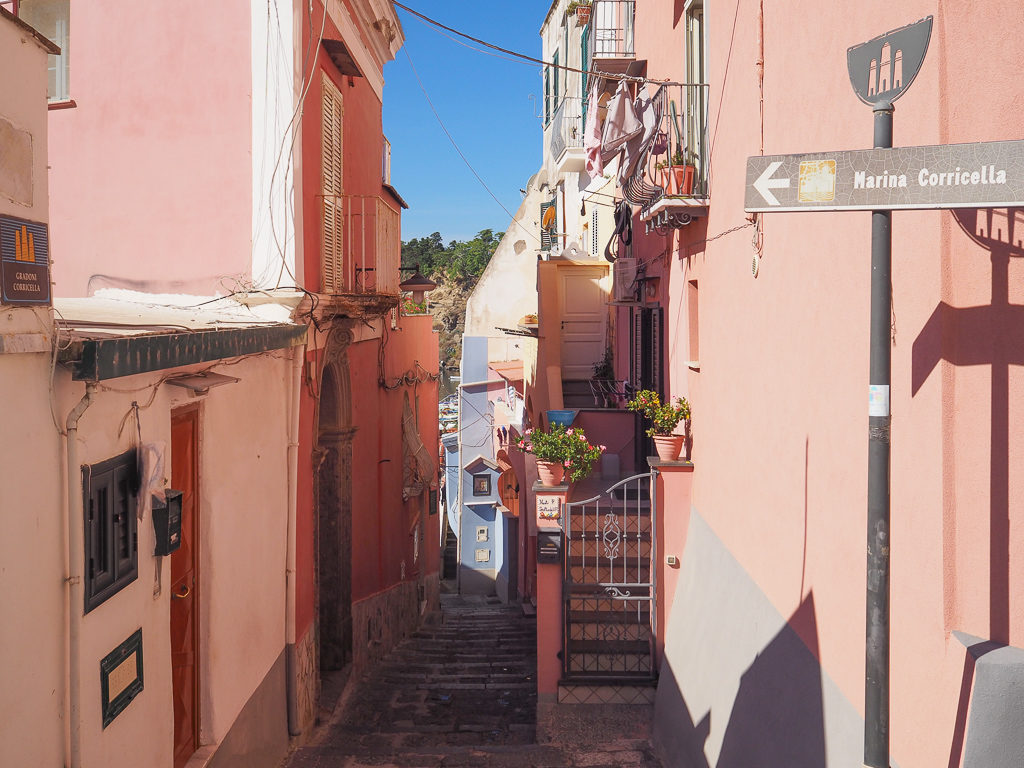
(882, 69)
(24, 262)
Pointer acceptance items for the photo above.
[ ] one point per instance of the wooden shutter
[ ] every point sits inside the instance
(332, 186)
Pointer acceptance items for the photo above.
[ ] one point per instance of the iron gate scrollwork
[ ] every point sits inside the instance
(609, 584)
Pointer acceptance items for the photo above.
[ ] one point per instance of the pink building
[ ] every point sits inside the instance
(225, 244)
(762, 323)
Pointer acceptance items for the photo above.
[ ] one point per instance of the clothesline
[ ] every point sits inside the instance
(531, 59)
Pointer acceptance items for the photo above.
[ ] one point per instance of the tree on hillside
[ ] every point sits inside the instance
(455, 268)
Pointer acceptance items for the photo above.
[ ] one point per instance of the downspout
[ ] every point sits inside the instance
(75, 558)
(291, 685)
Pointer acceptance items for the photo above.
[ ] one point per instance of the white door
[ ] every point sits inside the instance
(584, 312)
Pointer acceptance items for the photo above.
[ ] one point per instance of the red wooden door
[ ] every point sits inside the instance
(184, 587)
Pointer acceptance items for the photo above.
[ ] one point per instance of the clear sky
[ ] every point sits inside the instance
(483, 100)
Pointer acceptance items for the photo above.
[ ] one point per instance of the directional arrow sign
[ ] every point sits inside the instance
(765, 183)
(980, 175)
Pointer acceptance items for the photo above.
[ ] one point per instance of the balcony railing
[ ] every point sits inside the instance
(611, 29)
(683, 115)
(567, 126)
(361, 245)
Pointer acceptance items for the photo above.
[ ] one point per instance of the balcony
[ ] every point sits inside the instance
(361, 252)
(565, 136)
(673, 187)
(610, 35)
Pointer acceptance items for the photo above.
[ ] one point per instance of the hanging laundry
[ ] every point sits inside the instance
(621, 124)
(592, 132)
(641, 147)
(623, 234)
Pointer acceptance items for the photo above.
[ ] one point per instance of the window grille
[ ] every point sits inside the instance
(111, 535)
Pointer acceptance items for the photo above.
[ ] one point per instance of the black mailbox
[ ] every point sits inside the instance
(549, 547)
(167, 523)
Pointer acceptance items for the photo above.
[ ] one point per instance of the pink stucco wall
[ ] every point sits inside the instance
(31, 491)
(151, 175)
(779, 402)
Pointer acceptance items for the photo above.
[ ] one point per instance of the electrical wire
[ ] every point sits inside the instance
(531, 59)
(469, 165)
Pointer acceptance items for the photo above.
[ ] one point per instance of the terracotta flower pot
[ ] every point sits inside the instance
(550, 472)
(582, 14)
(668, 446)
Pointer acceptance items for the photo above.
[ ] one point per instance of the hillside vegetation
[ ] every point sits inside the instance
(455, 268)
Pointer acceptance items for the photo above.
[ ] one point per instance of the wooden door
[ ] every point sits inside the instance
(185, 586)
(508, 490)
(583, 313)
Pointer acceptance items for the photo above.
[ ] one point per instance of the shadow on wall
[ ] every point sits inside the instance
(990, 335)
(777, 718)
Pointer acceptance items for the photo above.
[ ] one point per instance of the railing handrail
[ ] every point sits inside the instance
(366, 254)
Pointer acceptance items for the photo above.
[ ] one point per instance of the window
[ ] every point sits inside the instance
(52, 19)
(548, 225)
(693, 320)
(551, 89)
(696, 94)
(111, 540)
(547, 96)
(331, 185)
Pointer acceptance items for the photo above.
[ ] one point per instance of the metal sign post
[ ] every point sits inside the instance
(880, 180)
(879, 74)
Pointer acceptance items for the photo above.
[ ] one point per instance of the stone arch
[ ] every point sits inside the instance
(333, 497)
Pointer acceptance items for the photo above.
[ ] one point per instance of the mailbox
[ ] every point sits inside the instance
(549, 546)
(167, 522)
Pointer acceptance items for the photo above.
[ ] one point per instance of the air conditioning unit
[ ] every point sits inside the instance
(624, 278)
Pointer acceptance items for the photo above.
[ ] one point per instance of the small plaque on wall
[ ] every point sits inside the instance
(121, 677)
(549, 508)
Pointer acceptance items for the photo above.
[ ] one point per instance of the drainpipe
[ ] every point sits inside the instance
(75, 558)
(291, 693)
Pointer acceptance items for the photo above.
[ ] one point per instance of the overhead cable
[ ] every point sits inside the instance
(469, 165)
(532, 59)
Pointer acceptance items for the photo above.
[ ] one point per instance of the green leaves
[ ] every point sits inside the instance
(664, 417)
(459, 262)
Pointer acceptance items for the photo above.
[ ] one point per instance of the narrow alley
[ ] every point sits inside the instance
(462, 692)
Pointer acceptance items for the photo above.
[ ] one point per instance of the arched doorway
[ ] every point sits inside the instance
(333, 484)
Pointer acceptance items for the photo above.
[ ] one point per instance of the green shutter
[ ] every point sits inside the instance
(556, 94)
(584, 65)
(547, 95)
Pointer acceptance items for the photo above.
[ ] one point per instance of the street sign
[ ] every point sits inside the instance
(24, 262)
(981, 175)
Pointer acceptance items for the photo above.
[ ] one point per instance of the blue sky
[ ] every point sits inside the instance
(484, 102)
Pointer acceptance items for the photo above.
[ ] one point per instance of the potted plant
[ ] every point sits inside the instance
(680, 175)
(664, 418)
(560, 451)
(582, 10)
(410, 307)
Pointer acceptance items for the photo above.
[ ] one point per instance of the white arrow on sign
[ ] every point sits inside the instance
(765, 183)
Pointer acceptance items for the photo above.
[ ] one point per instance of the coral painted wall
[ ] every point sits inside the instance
(146, 75)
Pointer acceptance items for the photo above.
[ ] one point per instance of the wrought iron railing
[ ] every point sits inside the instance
(566, 126)
(611, 29)
(677, 164)
(361, 245)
